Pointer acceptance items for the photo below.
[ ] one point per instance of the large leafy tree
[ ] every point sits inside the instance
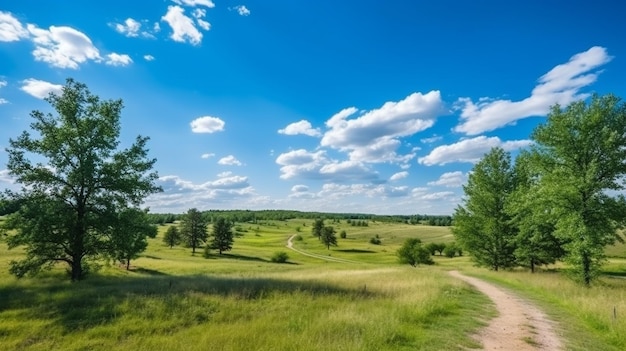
(222, 235)
(482, 224)
(581, 153)
(413, 253)
(79, 183)
(193, 229)
(531, 210)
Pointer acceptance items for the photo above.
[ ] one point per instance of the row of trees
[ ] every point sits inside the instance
(558, 200)
(193, 232)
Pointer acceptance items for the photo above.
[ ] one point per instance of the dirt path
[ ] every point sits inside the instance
(519, 325)
(321, 257)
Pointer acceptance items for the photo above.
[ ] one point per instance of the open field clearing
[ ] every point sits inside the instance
(241, 300)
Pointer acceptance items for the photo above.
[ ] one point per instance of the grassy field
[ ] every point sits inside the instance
(171, 300)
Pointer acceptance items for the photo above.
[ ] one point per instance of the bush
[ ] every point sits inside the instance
(375, 240)
(343, 234)
(280, 257)
(413, 253)
(298, 237)
(450, 250)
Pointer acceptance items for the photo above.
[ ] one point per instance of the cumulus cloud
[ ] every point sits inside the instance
(130, 27)
(229, 160)
(374, 135)
(561, 85)
(62, 47)
(469, 150)
(193, 3)
(242, 10)
(450, 180)
(183, 27)
(180, 194)
(299, 188)
(441, 195)
(148, 57)
(207, 124)
(11, 29)
(301, 163)
(301, 127)
(39, 88)
(5, 177)
(118, 60)
(399, 175)
(207, 155)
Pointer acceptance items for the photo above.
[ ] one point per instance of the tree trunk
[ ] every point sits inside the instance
(77, 269)
(532, 265)
(128, 264)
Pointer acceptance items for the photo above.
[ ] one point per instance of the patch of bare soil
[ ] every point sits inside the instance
(519, 326)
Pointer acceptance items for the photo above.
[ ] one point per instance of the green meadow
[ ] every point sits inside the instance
(172, 300)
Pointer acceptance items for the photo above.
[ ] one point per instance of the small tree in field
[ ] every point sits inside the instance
(328, 237)
(193, 229)
(222, 235)
(413, 253)
(172, 236)
(318, 227)
(130, 236)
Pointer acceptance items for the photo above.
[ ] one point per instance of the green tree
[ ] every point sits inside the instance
(432, 248)
(450, 250)
(531, 212)
(328, 237)
(222, 235)
(482, 225)
(129, 236)
(172, 236)
(79, 184)
(581, 153)
(413, 253)
(193, 229)
(318, 227)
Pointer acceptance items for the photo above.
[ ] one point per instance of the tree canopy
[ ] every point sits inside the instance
(222, 235)
(193, 229)
(73, 194)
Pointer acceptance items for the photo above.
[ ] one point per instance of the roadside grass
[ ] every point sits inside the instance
(591, 318)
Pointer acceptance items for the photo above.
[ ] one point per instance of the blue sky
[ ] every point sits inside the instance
(337, 106)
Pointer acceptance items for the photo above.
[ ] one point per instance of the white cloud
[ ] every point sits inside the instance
(204, 24)
(299, 188)
(207, 124)
(3, 83)
(399, 175)
(130, 27)
(193, 3)
(207, 155)
(301, 127)
(114, 59)
(442, 195)
(242, 10)
(62, 47)
(148, 57)
(300, 162)
(180, 194)
(5, 177)
(39, 88)
(469, 150)
(561, 85)
(373, 136)
(450, 180)
(11, 28)
(229, 160)
(431, 140)
(182, 26)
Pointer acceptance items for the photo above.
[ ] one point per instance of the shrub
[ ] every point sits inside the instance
(413, 253)
(450, 250)
(375, 240)
(343, 234)
(280, 257)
